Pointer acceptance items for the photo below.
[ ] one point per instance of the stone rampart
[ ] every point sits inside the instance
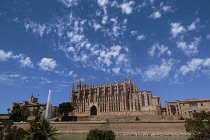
(129, 117)
(119, 127)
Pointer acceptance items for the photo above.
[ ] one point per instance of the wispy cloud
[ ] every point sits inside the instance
(155, 15)
(189, 49)
(195, 64)
(193, 25)
(158, 72)
(12, 79)
(176, 29)
(21, 58)
(127, 7)
(140, 37)
(69, 3)
(4, 56)
(158, 50)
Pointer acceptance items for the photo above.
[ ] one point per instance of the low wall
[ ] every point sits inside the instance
(119, 127)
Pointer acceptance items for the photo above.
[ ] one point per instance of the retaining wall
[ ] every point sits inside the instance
(154, 127)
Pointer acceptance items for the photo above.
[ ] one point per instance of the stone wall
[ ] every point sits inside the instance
(133, 127)
(129, 117)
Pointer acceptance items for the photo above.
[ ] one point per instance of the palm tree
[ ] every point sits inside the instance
(8, 110)
(41, 130)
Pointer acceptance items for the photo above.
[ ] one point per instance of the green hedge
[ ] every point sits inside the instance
(101, 135)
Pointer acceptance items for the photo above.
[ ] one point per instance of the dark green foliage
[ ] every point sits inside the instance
(19, 113)
(37, 113)
(41, 130)
(65, 108)
(10, 132)
(101, 135)
(199, 126)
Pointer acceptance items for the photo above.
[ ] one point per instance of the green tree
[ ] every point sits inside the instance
(19, 113)
(199, 126)
(37, 113)
(65, 108)
(41, 130)
(101, 135)
(10, 132)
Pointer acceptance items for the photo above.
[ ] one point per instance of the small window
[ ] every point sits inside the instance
(201, 104)
(193, 104)
(183, 104)
(185, 113)
(194, 111)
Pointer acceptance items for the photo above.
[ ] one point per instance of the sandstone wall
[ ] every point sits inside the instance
(155, 127)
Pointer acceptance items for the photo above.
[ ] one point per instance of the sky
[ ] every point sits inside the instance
(163, 46)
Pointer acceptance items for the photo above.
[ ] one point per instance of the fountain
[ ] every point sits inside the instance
(48, 110)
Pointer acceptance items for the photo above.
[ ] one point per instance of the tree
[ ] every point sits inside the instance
(10, 132)
(8, 110)
(101, 135)
(37, 113)
(41, 130)
(19, 113)
(199, 126)
(65, 108)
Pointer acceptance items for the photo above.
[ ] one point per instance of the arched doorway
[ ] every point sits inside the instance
(93, 110)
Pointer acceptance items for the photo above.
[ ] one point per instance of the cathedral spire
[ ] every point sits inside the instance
(79, 85)
(86, 83)
(72, 88)
(79, 81)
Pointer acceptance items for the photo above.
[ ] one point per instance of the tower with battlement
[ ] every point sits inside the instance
(113, 99)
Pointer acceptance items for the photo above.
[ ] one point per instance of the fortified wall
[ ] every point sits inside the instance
(119, 127)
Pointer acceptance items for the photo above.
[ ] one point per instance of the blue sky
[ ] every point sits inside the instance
(163, 46)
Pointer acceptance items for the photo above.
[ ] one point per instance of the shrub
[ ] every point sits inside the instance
(10, 132)
(101, 135)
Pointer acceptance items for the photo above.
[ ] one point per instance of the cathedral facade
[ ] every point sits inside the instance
(113, 99)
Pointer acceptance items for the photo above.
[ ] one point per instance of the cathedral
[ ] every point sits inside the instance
(113, 99)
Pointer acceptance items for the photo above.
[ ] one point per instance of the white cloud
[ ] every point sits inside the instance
(207, 62)
(208, 37)
(161, 49)
(196, 64)
(134, 33)
(96, 26)
(140, 37)
(44, 81)
(69, 3)
(189, 49)
(71, 49)
(71, 73)
(47, 64)
(155, 15)
(21, 58)
(127, 7)
(12, 79)
(105, 19)
(191, 66)
(193, 25)
(157, 73)
(102, 2)
(4, 56)
(36, 28)
(116, 70)
(26, 62)
(176, 29)
(167, 8)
